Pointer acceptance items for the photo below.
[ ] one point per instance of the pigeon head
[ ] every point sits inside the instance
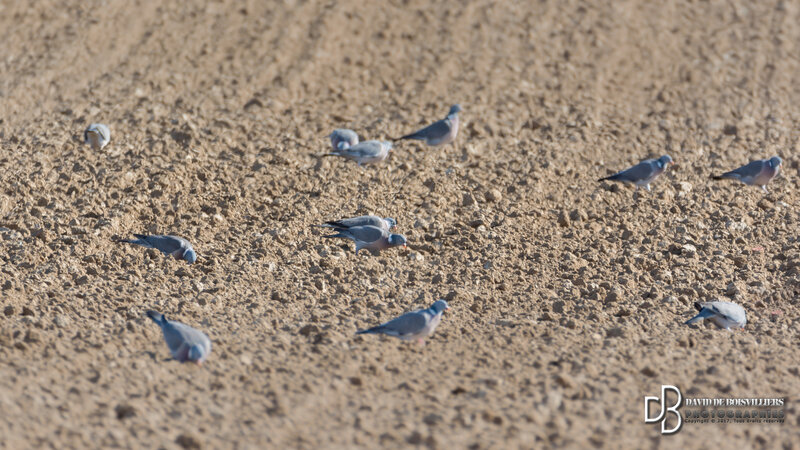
(665, 160)
(195, 353)
(775, 161)
(190, 256)
(439, 306)
(397, 239)
(455, 109)
(391, 222)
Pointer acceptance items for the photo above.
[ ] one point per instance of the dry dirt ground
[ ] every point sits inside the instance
(567, 295)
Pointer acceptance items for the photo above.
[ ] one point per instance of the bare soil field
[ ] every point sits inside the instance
(567, 295)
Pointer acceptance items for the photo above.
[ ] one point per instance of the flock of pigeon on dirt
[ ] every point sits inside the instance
(372, 233)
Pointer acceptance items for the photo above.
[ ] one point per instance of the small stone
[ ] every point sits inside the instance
(188, 441)
(615, 332)
(494, 195)
(8, 311)
(432, 419)
(614, 295)
(27, 311)
(415, 438)
(684, 186)
(61, 321)
(356, 381)
(565, 381)
(308, 329)
(32, 336)
(124, 411)
(688, 250)
(467, 199)
(414, 256)
(563, 219)
(578, 215)
(649, 372)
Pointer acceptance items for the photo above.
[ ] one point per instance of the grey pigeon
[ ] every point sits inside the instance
(441, 132)
(370, 237)
(415, 325)
(724, 314)
(385, 223)
(367, 152)
(342, 139)
(176, 246)
(184, 342)
(97, 135)
(643, 173)
(756, 173)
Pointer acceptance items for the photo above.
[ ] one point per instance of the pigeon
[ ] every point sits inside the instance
(724, 314)
(441, 132)
(97, 135)
(176, 246)
(184, 342)
(370, 237)
(360, 221)
(643, 173)
(415, 325)
(342, 139)
(367, 152)
(758, 173)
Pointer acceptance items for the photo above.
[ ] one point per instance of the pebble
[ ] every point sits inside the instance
(416, 257)
(494, 195)
(615, 332)
(563, 219)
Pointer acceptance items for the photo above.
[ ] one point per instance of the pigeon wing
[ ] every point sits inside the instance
(432, 131)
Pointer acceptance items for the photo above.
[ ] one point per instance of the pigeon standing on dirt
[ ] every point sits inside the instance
(756, 173)
(415, 325)
(184, 342)
(176, 246)
(342, 139)
(367, 152)
(97, 135)
(385, 223)
(370, 238)
(724, 314)
(643, 173)
(441, 132)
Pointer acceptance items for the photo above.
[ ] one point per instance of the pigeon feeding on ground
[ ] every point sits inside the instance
(184, 342)
(385, 223)
(643, 173)
(724, 314)
(176, 246)
(370, 238)
(342, 139)
(411, 326)
(97, 135)
(756, 173)
(367, 152)
(441, 132)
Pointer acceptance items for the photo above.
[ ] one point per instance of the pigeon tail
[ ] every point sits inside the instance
(157, 317)
(610, 177)
(372, 330)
